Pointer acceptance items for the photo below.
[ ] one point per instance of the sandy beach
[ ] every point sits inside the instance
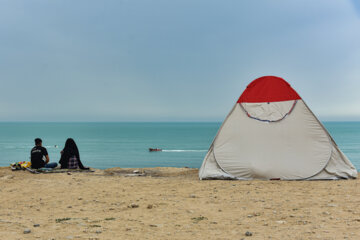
(171, 203)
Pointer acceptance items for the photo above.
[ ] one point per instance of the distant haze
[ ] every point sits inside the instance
(178, 60)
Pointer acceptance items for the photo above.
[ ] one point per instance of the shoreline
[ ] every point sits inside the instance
(171, 203)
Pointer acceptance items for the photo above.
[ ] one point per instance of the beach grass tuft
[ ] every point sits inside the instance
(95, 225)
(198, 219)
(59, 220)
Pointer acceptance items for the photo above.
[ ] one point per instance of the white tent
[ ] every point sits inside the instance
(272, 134)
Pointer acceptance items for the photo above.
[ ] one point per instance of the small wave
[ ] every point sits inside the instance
(52, 146)
(18, 147)
(182, 150)
(10, 147)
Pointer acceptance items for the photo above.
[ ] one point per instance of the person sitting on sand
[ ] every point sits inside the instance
(40, 156)
(70, 157)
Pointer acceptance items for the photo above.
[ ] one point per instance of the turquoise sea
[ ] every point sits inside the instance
(106, 145)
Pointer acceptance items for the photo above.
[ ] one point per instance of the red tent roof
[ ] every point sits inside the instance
(268, 89)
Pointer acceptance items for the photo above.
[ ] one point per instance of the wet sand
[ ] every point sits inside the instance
(171, 203)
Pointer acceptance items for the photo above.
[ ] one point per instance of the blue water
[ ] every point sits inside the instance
(105, 145)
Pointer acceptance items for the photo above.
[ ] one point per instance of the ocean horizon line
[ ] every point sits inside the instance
(219, 121)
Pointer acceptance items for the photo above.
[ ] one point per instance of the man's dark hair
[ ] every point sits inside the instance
(38, 141)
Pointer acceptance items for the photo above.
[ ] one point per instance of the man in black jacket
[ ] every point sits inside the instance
(40, 156)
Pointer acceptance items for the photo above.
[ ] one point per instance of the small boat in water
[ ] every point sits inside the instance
(155, 149)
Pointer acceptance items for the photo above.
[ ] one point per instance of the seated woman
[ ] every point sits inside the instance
(70, 157)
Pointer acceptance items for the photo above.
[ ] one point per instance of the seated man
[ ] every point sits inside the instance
(38, 153)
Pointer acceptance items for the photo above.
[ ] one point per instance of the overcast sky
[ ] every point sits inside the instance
(178, 60)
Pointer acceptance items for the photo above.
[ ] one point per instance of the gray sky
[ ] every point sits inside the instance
(178, 60)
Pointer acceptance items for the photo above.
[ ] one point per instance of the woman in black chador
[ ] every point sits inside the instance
(70, 157)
